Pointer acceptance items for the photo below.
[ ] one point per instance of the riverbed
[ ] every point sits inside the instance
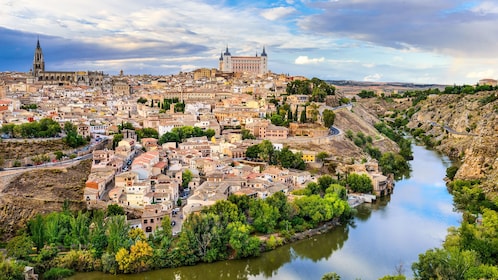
(383, 238)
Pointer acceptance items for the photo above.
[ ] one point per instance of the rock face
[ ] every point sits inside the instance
(39, 192)
(467, 131)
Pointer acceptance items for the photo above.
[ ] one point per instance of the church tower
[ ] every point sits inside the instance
(38, 60)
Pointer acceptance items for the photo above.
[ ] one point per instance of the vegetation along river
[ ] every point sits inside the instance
(383, 238)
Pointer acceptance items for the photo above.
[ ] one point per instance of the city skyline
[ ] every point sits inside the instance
(424, 41)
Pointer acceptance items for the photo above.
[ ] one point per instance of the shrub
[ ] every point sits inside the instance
(58, 273)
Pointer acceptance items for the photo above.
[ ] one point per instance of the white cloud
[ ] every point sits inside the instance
(368, 65)
(372, 78)
(306, 60)
(489, 73)
(486, 7)
(277, 13)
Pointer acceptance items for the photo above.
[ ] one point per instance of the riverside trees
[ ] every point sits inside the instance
(98, 240)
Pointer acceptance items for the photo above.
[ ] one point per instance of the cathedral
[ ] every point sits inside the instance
(87, 78)
(244, 64)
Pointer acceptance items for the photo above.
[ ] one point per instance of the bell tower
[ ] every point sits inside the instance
(38, 60)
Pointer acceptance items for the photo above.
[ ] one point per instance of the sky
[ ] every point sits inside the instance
(418, 41)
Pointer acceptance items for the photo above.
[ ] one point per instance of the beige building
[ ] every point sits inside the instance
(244, 64)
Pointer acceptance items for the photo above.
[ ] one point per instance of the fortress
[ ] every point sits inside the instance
(87, 78)
(239, 64)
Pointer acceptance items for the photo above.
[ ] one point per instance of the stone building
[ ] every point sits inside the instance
(244, 64)
(87, 78)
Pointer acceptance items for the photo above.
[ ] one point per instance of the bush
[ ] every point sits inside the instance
(451, 172)
(58, 273)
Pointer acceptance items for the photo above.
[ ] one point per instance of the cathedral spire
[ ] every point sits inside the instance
(264, 52)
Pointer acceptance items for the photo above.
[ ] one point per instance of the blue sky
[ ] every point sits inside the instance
(420, 41)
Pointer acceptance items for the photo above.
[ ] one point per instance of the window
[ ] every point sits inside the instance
(151, 221)
(145, 221)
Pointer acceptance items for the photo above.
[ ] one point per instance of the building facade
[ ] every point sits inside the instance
(87, 78)
(244, 64)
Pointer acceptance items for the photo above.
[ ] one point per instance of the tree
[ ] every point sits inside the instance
(267, 151)
(117, 233)
(451, 172)
(331, 276)
(147, 132)
(187, 176)
(328, 117)
(253, 151)
(303, 118)
(241, 240)
(115, 210)
(73, 139)
(246, 134)
(360, 183)
(322, 155)
(37, 230)
(20, 247)
(265, 217)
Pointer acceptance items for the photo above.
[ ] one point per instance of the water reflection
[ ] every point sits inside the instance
(321, 247)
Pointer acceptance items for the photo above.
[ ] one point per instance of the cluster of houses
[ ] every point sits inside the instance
(144, 176)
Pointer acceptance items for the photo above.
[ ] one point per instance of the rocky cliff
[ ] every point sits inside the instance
(465, 128)
(40, 191)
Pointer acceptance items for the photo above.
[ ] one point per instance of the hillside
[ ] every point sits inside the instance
(40, 191)
(464, 128)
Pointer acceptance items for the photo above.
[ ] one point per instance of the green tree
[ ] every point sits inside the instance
(328, 117)
(115, 210)
(451, 172)
(322, 155)
(187, 176)
(20, 247)
(117, 233)
(253, 151)
(147, 132)
(331, 276)
(241, 240)
(37, 231)
(265, 217)
(360, 183)
(246, 134)
(267, 151)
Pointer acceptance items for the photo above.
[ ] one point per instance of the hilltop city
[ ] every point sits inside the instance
(130, 123)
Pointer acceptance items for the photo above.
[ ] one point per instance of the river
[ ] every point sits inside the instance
(383, 238)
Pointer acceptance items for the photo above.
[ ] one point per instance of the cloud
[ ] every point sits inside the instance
(277, 13)
(444, 26)
(368, 65)
(372, 78)
(489, 73)
(306, 60)
(486, 7)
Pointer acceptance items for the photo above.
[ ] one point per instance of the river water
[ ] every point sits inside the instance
(384, 237)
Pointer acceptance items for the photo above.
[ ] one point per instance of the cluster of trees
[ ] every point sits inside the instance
(178, 134)
(317, 89)
(102, 240)
(266, 151)
(73, 139)
(354, 182)
(37, 129)
(389, 162)
(470, 251)
(366, 94)
(29, 107)
(165, 105)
